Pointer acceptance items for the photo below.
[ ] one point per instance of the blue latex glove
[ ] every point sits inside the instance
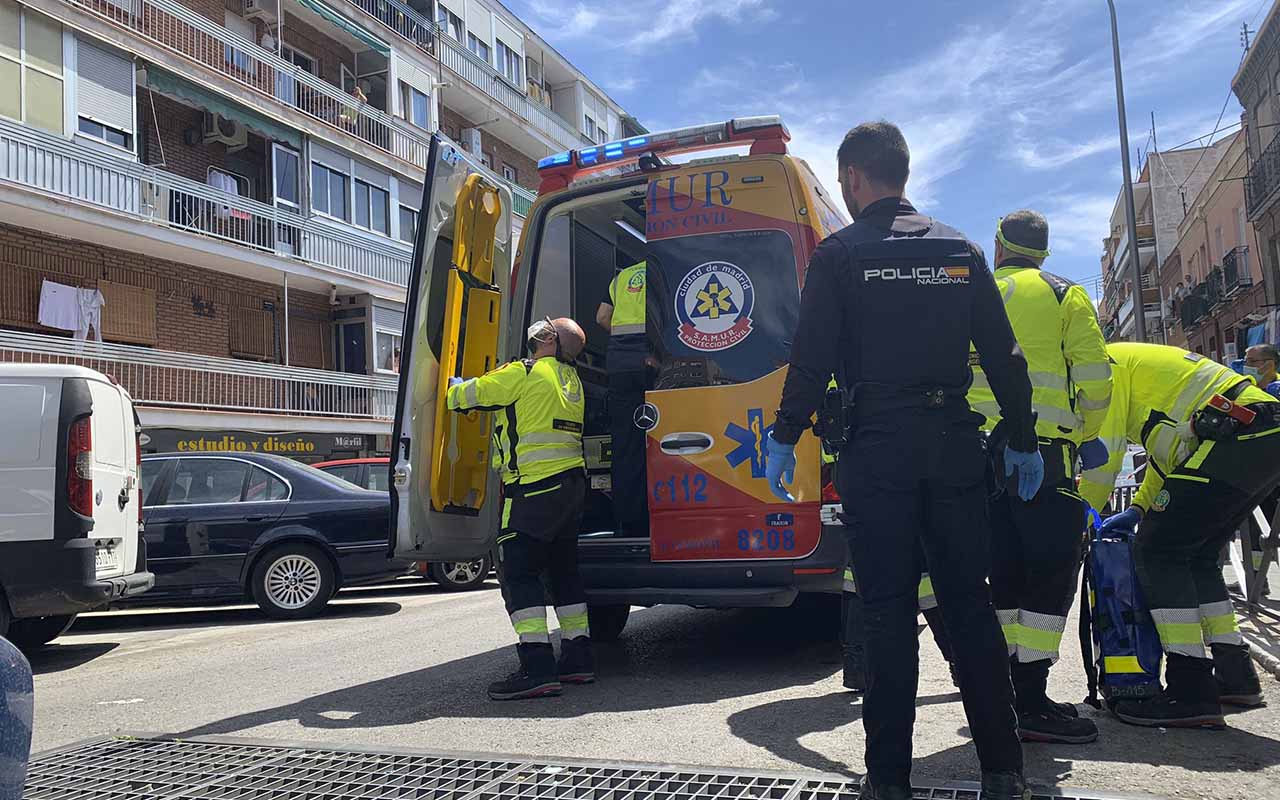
(454, 381)
(1030, 468)
(1273, 388)
(1123, 524)
(1093, 454)
(780, 465)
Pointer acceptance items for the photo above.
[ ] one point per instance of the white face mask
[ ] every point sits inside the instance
(539, 333)
(1252, 372)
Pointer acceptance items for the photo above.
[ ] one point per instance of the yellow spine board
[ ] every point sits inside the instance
(469, 349)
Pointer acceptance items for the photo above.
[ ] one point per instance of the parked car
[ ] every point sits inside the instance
(70, 510)
(223, 526)
(373, 473)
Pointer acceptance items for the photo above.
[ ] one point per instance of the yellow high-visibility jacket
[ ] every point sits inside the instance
(1157, 390)
(540, 432)
(627, 296)
(1057, 328)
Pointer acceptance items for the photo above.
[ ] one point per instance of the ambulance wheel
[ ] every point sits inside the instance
(607, 622)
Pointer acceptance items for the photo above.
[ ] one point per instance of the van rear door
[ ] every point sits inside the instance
(444, 495)
(115, 496)
(727, 243)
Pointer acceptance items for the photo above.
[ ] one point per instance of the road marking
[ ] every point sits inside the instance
(130, 701)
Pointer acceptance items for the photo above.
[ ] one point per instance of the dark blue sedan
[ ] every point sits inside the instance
(225, 526)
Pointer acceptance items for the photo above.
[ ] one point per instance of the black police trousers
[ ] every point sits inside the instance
(630, 488)
(538, 551)
(1037, 548)
(1176, 549)
(911, 476)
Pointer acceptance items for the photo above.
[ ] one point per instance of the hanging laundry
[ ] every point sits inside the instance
(59, 306)
(90, 302)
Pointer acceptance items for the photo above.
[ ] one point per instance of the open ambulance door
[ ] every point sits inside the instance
(444, 496)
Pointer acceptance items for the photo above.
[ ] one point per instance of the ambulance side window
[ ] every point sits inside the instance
(551, 277)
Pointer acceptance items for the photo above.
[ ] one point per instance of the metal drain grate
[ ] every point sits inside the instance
(234, 769)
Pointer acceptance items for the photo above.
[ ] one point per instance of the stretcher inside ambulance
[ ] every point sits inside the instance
(726, 235)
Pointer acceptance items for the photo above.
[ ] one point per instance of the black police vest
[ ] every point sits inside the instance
(912, 301)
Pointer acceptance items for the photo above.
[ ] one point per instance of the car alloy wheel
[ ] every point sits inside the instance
(463, 572)
(293, 581)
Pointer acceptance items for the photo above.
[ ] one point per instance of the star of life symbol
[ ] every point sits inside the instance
(713, 304)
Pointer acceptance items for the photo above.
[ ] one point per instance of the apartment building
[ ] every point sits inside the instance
(1257, 86)
(231, 188)
(1212, 282)
(1168, 181)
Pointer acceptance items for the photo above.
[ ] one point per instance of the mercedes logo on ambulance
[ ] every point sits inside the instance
(646, 417)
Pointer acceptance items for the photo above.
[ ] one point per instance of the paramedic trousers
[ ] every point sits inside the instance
(913, 478)
(538, 551)
(1176, 549)
(1036, 552)
(627, 468)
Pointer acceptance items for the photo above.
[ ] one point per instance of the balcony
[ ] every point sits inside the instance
(424, 34)
(1264, 177)
(166, 379)
(1235, 271)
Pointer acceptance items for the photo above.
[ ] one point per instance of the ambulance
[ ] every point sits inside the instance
(721, 211)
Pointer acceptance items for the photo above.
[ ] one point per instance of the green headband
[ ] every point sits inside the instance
(1017, 248)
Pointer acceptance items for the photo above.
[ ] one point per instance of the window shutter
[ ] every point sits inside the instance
(308, 339)
(104, 86)
(253, 334)
(128, 313)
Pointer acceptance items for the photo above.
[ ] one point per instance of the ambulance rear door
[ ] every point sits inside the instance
(726, 245)
(445, 497)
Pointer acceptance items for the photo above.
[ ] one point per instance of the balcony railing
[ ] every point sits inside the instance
(1264, 177)
(52, 165)
(185, 380)
(183, 31)
(420, 31)
(1235, 271)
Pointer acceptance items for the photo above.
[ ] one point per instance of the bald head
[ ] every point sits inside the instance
(572, 338)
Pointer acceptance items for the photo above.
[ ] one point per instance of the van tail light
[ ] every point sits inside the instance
(80, 467)
(137, 451)
(829, 493)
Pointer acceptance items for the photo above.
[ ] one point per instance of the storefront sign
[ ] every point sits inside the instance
(295, 445)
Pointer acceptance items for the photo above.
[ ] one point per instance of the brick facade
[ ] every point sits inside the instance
(164, 135)
(195, 309)
(452, 123)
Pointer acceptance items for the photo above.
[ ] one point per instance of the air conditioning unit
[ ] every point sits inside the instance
(225, 130)
(264, 10)
(471, 141)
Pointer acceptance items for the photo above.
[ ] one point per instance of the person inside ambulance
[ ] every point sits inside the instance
(1213, 442)
(627, 359)
(538, 440)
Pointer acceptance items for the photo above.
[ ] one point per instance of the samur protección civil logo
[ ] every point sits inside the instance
(713, 305)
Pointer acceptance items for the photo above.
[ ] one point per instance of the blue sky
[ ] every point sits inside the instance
(1004, 104)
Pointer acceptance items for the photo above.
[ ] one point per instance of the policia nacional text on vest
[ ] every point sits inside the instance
(538, 405)
(1036, 546)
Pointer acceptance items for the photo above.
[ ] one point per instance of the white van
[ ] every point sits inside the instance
(70, 499)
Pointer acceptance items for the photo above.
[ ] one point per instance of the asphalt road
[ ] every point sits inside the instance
(407, 666)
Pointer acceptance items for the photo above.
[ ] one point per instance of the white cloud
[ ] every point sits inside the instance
(641, 25)
(678, 19)
(1052, 154)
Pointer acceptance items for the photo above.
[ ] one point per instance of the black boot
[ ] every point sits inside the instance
(1190, 701)
(577, 664)
(855, 672)
(535, 678)
(1039, 718)
(1004, 786)
(868, 791)
(1238, 683)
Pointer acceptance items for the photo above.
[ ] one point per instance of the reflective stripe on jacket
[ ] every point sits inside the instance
(627, 294)
(540, 434)
(1057, 328)
(1157, 390)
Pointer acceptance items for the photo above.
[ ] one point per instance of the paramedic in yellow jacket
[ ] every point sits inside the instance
(1213, 444)
(538, 439)
(1036, 545)
(622, 312)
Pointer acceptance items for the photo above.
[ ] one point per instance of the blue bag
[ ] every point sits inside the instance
(1114, 611)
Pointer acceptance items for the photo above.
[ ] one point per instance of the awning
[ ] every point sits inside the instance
(347, 25)
(188, 93)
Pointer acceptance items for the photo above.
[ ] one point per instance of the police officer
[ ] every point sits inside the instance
(539, 444)
(1036, 546)
(622, 313)
(1213, 442)
(914, 465)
